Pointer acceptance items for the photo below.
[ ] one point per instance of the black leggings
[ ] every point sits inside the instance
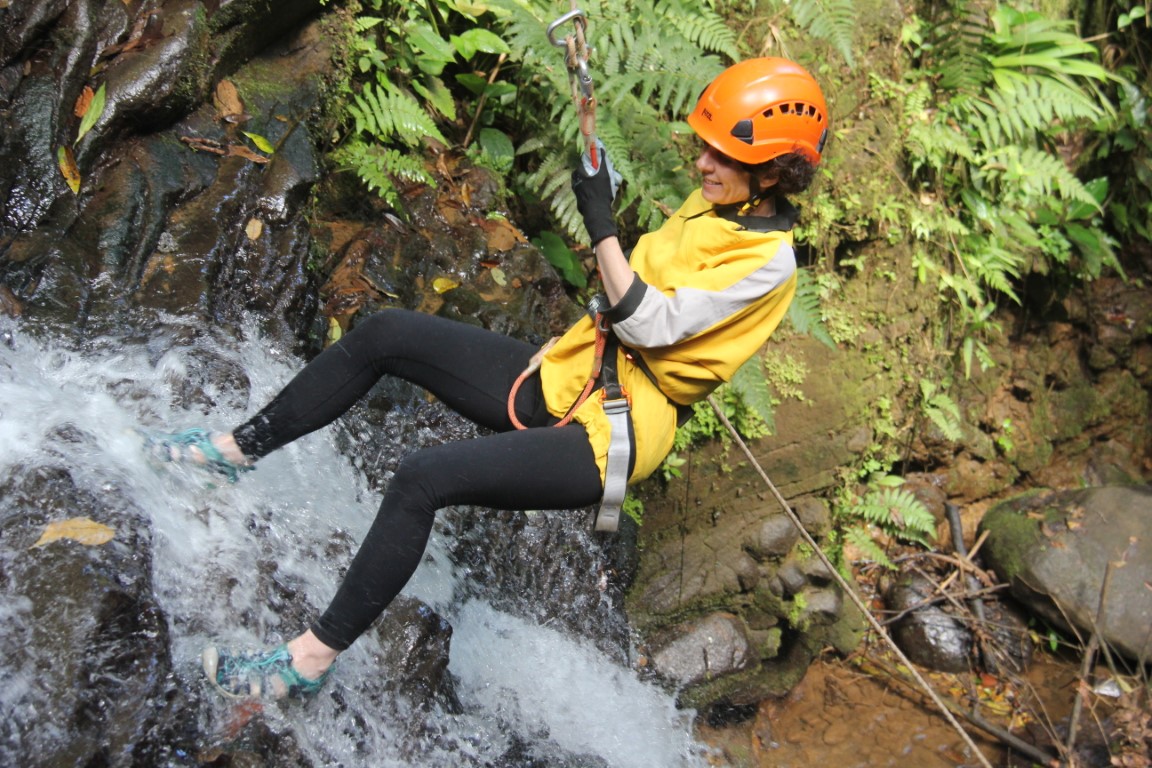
(469, 369)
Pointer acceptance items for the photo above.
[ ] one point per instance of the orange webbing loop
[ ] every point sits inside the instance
(534, 365)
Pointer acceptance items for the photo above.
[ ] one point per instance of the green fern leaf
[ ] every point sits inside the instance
(832, 20)
(869, 549)
(804, 311)
(389, 116)
(899, 513)
(751, 386)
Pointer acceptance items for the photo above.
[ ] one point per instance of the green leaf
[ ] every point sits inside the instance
(478, 40)
(438, 95)
(261, 143)
(437, 51)
(497, 146)
(749, 382)
(95, 109)
(562, 258)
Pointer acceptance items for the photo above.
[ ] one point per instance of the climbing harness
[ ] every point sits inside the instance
(579, 79)
(617, 407)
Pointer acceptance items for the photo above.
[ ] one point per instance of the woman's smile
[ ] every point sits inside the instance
(723, 180)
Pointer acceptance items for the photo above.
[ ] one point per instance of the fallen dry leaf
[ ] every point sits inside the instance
(81, 529)
(236, 150)
(254, 229)
(9, 303)
(68, 169)
(227, 101)
(83, 101)
(502, 235)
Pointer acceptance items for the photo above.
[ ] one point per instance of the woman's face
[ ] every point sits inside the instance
(723, 180)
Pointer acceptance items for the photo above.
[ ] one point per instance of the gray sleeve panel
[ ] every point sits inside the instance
(660, 320)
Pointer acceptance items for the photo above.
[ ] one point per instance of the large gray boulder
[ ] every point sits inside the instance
(1081, 560)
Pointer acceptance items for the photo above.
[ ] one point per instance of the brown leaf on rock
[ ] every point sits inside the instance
(9, 304)
(83, 101)
(204, 145)
(79, 529)
(227, 101)
(144, 32)
(235, 150)
(348, 288)
(501, 234)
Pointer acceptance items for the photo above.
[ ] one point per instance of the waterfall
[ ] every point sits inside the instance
(248, 563)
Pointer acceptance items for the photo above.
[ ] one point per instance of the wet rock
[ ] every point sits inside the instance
(819, 607)
(930, 633)
(1009, 647)
(547, 566)
(792, 577)
(814, 515)
(87, 645)
(155, 223)
(1081, 560)
(418, 642)
(713, 647)
(776, 537)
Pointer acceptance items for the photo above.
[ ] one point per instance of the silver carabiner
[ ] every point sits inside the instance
(572, 15)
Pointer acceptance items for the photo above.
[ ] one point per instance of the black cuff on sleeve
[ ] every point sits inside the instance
(623, 309)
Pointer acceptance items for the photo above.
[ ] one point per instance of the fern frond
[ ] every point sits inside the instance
(899, 513)
(704, 28)
(1022, 108)
(832, 20)
(388, 115)
(378, 166)
(941, 410)
(804, 311)
(869, 549)
(1030, 174)
(961, 62)
(992, 264)
(750, 384)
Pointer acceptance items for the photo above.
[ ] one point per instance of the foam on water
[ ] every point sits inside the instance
(513, 677)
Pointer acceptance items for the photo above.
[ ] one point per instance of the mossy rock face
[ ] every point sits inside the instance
(1080, 560)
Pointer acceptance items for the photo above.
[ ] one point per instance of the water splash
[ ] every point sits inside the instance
(525, 689)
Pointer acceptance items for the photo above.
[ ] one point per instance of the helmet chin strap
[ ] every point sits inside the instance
(754, 197)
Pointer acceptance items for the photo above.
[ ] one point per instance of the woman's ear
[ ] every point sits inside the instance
(768, 180)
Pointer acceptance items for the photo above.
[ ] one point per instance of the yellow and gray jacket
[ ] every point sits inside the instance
(709, 290)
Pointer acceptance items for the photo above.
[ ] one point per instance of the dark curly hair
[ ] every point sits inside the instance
(793, 172)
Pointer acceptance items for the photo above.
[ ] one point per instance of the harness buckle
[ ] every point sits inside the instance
(615, 402)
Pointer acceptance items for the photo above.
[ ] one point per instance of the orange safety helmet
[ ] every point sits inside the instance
(759, 109)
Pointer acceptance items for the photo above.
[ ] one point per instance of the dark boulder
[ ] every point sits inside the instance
(1081, 559)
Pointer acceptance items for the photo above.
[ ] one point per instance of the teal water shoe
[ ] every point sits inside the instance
(261, 675)
(193, 447)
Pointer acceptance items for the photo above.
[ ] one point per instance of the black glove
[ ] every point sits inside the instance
(595, 191)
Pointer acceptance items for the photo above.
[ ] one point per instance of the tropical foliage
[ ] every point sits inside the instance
(987, 115)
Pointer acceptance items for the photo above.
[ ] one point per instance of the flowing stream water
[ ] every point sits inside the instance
(516, 681)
